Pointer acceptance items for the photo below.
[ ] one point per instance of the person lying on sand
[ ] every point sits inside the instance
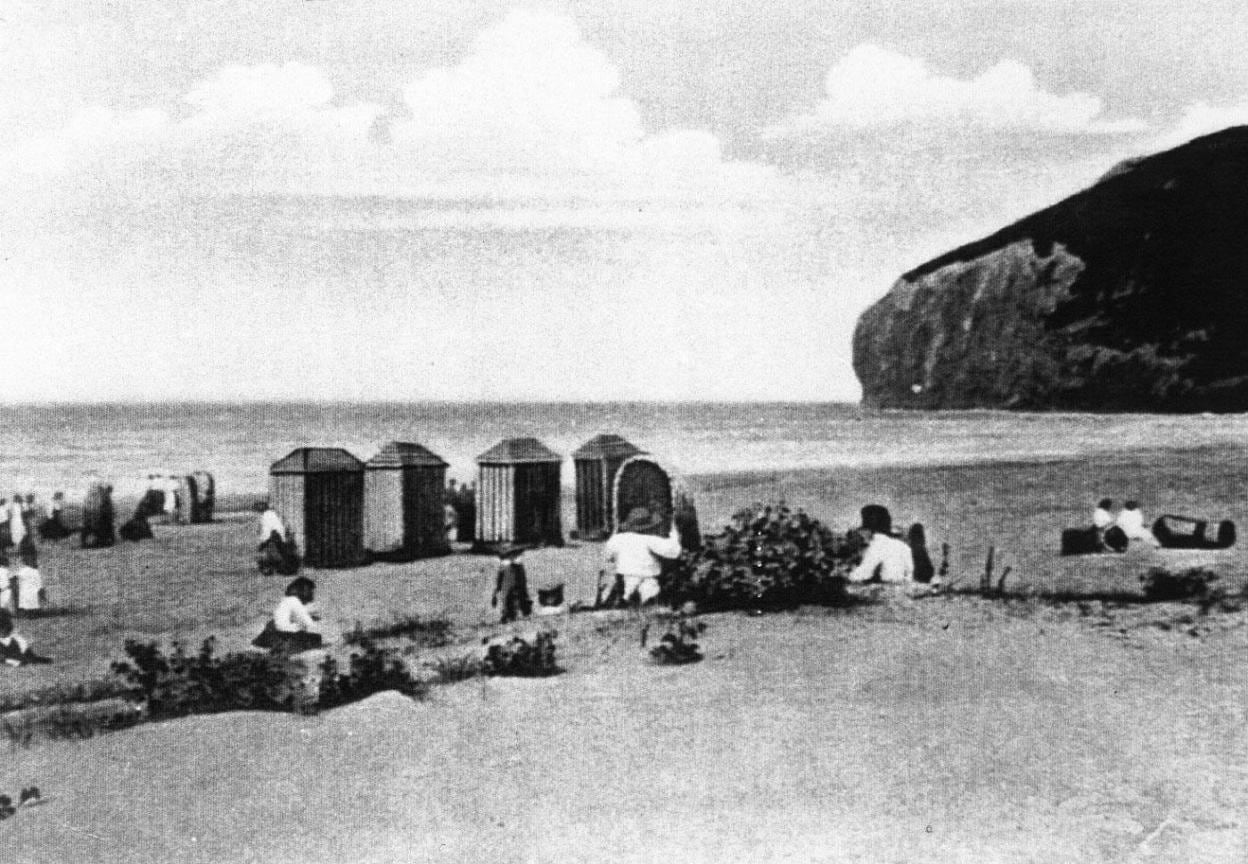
(886, 559)
(14, 650)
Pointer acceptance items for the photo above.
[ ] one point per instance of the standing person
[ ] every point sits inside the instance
(636, 558)
(450, 512)
(30, 593)
(17, 520)
(53, 525)
(1131, 521)
(6, 530)
(8, 585)
(293, 627)
(924, 570)
(886, 559)
(512, 585)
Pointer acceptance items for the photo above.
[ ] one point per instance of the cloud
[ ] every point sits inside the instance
(532, 111)
(873, 89)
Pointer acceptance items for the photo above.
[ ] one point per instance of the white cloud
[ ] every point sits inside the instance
(873, 88)
(534, 110)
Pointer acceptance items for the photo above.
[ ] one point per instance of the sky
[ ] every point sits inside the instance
(600, 200)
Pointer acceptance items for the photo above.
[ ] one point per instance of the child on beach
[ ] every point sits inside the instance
(30, 592)
(14, 650)
(512, 585)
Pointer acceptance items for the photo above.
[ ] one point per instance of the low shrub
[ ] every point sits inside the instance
(370, 670)
(177, 684)
(1161, 584)
(532, 657)
(58, 694)
(769, 557)
(679, 645)
(70, 721)
(428, 632)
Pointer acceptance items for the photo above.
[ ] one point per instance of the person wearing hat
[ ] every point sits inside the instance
(636, 556)
(886, 558)
(512, 585)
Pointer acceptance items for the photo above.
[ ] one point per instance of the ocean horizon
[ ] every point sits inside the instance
(46, 447)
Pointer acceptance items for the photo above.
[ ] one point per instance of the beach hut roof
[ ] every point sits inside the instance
(399, 454)
(316, 460)
(605, 447)
(512, 450)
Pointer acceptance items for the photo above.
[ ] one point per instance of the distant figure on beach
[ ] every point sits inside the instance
(511, 586)
(277, 553)
(17, 520)
(1102, 516)
(636, 557)
(136, 528)
(1131, 521)
(97, 517)
(466, 513)
(450, 512)
(30, 590)
(886, 558)
(8, 584)
(6, 531)
(924, 570)
(293, 627)
(15, 650)
(53, 525)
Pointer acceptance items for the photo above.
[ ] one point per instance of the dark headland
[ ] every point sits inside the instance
(1131, 295)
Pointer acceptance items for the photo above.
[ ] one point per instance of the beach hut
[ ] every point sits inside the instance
(518, 494)
(595, 463)
(641, 481)
(319, 493)
(403, 502)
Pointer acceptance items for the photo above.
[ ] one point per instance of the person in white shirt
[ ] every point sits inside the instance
(17, 521)
(29, 587)
(886, 557)
(636, 558)
(1102, 518)
(8, 588)
(270, 524)
(1131, 521)
(293, 627)
(14, 650)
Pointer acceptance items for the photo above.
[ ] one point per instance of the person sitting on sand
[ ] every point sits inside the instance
(886, 559)
(637, 558)
(1102, 518)
(512, 585)
(14, 650)
(293, 627)
(1131, 521)
(924, 570)
(277, 551)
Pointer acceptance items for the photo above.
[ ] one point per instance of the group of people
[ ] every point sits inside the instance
(1115, 531)
(21, 518)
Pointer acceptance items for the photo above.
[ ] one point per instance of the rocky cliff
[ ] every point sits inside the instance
(1129, 296)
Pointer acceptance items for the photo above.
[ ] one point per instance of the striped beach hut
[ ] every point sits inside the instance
(319, 493)
(595, 463)
(403, 502)
(518, 494)
(641, 481)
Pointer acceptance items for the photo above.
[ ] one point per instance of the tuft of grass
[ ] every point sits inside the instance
(461, 668)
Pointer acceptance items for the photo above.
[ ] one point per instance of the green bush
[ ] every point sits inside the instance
(370, 670)
(770, 557)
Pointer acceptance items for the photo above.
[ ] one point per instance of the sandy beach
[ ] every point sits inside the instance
(939, 729)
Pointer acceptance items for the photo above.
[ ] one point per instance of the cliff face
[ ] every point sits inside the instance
(1130, 295)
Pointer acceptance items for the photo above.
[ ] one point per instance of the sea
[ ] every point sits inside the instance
(65, 447)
